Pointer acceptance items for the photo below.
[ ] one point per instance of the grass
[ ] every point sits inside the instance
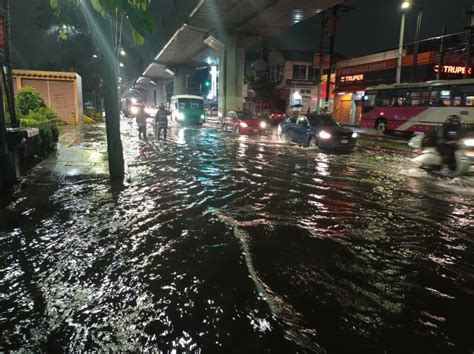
(384, 144)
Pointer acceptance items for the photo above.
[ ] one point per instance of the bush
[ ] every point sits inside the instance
(44, 119)
(28, 100)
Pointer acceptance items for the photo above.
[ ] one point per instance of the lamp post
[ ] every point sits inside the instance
(405, 5)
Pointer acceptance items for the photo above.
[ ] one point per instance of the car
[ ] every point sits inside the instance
(274, 116)
(317, 130)
(244, 122)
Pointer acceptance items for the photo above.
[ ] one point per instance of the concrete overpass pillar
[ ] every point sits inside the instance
(179, 81)
(161, 93)
(231, 76)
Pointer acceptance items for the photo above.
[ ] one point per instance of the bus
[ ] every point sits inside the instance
(187, 109)
(417, 107)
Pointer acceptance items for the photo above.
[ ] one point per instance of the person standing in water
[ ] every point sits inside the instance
(161, 121)
(141, 122)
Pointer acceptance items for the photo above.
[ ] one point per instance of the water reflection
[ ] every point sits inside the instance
(219, 237)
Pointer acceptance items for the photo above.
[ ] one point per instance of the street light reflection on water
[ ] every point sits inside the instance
(230, 243)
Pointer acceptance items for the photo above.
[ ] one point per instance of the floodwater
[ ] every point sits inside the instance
(220, 243)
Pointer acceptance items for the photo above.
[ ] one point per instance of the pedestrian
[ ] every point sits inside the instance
(161, 122)
(141, 122)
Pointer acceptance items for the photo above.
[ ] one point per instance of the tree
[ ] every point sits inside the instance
(263, 87)
(101, 18)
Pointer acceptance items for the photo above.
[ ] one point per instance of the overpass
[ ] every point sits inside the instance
(218, 31)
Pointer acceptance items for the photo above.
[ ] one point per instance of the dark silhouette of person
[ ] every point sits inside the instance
(141, 122)
(161, 122)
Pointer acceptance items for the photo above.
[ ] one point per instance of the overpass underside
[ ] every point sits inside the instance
(219, 31)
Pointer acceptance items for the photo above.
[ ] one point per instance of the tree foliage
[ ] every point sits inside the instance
(263, 87)
(141, 22)
(27, 100)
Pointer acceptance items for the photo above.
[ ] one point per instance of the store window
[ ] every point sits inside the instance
(299, 72)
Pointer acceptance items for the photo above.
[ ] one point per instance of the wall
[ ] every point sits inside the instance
(62, 92)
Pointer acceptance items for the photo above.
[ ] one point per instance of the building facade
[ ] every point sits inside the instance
(296, 78)
(353, 76)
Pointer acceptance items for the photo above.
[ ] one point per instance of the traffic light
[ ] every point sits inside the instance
(207, 83)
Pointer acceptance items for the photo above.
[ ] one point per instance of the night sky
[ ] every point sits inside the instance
(372, 26)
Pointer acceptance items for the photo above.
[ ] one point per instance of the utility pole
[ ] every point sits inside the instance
(470, 29)
(332, 39)
(441, 55)
(321, 59)
(419, 19)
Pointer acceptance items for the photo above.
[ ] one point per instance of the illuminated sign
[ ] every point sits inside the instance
(352, 78)
(453, 69)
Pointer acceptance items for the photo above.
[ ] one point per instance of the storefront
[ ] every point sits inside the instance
(353, 76)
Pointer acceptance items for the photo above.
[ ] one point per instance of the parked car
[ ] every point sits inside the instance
(274, 117)
(321, 131)
(244, 122)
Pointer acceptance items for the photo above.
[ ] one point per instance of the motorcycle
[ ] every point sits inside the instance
(431, 160)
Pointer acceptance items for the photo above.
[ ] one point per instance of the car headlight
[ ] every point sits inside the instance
(243, 125)
(324, 135)
(181, 116)
(134, 110)
(354, 135)
(469, 142)
(263, 125)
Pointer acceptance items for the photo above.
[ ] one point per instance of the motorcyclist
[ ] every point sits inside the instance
(447, 138)
(161, 122)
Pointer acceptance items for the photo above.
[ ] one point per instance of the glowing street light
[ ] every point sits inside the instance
(95, 56)
(405, 5)
(123, 53)
(121, 65)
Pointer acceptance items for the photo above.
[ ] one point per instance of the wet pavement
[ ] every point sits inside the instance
(221, 243)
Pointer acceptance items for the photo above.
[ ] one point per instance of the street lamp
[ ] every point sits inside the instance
(122, 52)
(404, 6)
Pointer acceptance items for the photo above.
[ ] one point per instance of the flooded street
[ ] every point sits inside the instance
(222, 243)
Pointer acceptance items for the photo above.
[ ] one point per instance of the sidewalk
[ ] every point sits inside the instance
(81, 152)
